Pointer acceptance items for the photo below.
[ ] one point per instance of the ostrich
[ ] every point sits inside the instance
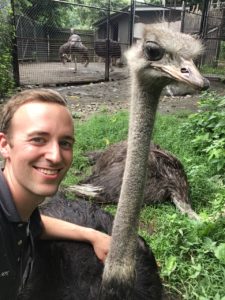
(100, 47)
(161, 57)
(71, 49)
(165, 179)
(70, 270)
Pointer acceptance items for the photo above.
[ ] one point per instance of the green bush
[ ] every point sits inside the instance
(6, 77)
(206, 129)
(6, 33)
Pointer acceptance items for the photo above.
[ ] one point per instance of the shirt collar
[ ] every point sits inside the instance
(7, 204)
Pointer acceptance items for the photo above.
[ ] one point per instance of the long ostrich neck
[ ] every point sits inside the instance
(120, 263)
(142, 116)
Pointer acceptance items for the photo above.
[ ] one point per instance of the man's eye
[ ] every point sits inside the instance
(38, 140)
(66, 144)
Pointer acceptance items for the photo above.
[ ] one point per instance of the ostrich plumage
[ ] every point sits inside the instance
(66, 270)
(160, 58)
(114, 51)
(165, 179)
(73, 48)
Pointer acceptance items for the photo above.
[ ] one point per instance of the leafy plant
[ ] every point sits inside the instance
(216, 70)
(6, 33)
(206, 129)
(190, 254)
(50, 12)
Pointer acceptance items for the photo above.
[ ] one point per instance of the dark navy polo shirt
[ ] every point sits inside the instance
(16, 244)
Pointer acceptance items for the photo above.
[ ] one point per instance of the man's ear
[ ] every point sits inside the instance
(4, 145)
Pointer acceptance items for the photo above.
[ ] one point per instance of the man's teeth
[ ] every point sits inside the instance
(48, 172)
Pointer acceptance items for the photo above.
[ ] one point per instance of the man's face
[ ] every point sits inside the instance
(38, 152)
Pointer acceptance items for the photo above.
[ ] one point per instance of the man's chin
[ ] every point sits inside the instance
(49, 192)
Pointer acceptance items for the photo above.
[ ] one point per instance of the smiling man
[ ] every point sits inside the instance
(36, 142)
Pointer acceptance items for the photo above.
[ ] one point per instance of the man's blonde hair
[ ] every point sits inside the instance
(27, 96)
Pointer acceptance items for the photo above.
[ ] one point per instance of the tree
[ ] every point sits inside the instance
(6, 32)
(48, 12)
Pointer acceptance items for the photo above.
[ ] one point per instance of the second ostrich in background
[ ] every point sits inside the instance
(73, 48)
(114, 50)
(165, 178)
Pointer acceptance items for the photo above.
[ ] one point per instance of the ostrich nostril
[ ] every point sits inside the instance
(184, 70)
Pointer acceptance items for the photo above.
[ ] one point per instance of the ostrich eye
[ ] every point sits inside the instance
(153, 51)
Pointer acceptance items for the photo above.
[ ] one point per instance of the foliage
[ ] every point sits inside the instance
(190, 254)
(217, 70)
(47, 12)
(6, 77)
(97, 133)
(44, 12)
(222, 50)
(206, 130)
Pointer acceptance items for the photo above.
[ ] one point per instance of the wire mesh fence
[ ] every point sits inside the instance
(208, 24)
(46, 55)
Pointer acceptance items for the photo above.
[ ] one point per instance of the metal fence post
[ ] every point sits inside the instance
(107, 58)
(182, 16)
(132, 18)
(203, 24)
(15, 63)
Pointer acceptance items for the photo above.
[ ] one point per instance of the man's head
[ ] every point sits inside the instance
(27, 96)
(36, 141)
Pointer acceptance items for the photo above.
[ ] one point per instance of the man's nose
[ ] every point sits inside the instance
(53, 153)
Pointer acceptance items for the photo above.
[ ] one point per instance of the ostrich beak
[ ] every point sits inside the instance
(187, 73)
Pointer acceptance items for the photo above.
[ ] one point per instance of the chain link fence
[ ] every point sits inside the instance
(105, 34)
(208, 23)
(38, 42)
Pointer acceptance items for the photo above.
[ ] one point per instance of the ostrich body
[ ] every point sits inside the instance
(71, 271)
(74, 38)
(165, 179)
(73, 48)
(100, 47)
(162, 57)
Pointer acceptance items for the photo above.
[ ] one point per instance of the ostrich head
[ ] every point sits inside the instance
(164, 56)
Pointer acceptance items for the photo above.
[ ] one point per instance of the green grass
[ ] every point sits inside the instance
(97, 133)
(190, 255)
(217, 70)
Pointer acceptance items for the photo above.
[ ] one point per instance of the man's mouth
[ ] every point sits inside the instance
(48, 171)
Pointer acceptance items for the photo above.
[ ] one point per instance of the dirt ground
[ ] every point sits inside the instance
(113, 96)
(86, 99)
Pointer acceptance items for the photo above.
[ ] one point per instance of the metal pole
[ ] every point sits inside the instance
(203, 24)
(203, 27)
(164, 5)
(14, 52)
(132, 20)
(182, 16)
(107, 58)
